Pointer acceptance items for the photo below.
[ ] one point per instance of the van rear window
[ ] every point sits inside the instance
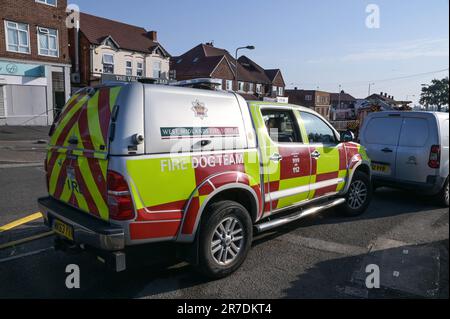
(384, 131)
(415, 132)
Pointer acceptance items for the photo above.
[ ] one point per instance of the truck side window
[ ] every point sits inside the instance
(281, 126)
(317, 130)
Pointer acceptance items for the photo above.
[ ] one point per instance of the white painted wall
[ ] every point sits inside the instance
(120, 58)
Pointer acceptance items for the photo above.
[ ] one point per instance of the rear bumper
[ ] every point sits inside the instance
(86, 229)
(433, 185)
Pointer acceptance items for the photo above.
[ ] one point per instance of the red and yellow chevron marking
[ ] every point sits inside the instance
(85, 117)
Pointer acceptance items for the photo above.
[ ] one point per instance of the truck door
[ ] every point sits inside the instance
(285, 158)
(328, 157)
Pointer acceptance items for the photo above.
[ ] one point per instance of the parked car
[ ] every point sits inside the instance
(136, 164)
(409, 150)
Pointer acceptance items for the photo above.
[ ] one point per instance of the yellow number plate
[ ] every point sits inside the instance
(382, 168)
(63, 229)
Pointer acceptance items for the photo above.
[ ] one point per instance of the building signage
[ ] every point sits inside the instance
(118, 78)
(21, 69)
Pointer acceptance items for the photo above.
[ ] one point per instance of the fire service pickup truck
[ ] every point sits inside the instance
(134, 164)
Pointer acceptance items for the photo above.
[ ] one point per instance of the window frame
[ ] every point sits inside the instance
(229, 85)
(159, 63)
(337, 140)
(46, 3)
(103, 63)
(48, 36)
(18, 38)
(294, 120)
(140, 69)
(241, 83)
(128, 68)
(280, 91)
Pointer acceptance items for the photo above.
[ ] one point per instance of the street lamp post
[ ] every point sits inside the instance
(370, 86)
(248, 47)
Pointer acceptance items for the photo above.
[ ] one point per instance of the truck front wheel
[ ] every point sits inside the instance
(358, 196)
(225, 239)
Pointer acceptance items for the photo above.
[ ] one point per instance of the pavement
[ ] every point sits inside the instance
(323, 256)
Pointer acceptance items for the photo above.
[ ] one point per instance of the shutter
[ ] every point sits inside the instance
(2, 103)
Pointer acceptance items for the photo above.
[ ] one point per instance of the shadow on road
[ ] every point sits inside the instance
(386, 203)
(405, 272)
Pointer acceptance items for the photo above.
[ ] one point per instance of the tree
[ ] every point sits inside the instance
(435, 94)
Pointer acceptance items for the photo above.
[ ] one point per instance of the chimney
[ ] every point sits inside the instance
(211, 44)
(385, 94)
(381, 93)
(153, 35)
(296, 88)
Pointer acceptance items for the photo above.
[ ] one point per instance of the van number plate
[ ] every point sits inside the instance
(381, 168)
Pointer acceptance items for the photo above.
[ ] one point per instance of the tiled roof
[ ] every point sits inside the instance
(344, 97)
(128, 37)
(199, 61)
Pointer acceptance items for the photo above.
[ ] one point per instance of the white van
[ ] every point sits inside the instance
(409, 150)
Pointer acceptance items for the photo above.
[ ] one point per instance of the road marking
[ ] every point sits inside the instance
(32, 253)
(25, 240)
(324, 245)
(21, 221)
(2, 166)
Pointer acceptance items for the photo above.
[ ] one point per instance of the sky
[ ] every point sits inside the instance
(322, 44)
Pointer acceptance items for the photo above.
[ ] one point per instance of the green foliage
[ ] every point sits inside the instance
(435, 94)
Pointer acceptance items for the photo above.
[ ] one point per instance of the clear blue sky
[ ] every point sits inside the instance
(320, 43)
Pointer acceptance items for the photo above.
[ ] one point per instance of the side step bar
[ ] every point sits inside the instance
(298, 215)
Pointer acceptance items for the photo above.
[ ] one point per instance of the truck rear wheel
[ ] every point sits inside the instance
(225, 239)
(358, 196)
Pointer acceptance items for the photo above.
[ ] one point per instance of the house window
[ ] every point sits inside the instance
(280, 91)
(229, 85)
(308, 97)
(251, 87)
(108, 63)
(48, 42)
(274, 89)
(258, 88)
(156, 70)
(17, 37)
(129, 68)
(49, 2)
(140, 69)
(241, 86)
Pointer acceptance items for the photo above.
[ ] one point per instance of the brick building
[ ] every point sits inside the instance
(319, 101)
(207, 61)
(109, 50)
(34, 61)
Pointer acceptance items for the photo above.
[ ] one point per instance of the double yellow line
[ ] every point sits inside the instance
(18, 223)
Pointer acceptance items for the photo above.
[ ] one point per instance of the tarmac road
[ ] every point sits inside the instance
(319, 257)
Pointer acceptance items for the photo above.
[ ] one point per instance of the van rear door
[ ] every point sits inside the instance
(417, 136)
(380, 137)
(77, 159)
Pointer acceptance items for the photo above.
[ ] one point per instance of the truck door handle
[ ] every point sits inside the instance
(276, 157)
(386, 150)
(315, 154)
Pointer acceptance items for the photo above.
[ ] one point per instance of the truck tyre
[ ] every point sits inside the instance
(225, 238)
(358, 196)
(443, 196)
